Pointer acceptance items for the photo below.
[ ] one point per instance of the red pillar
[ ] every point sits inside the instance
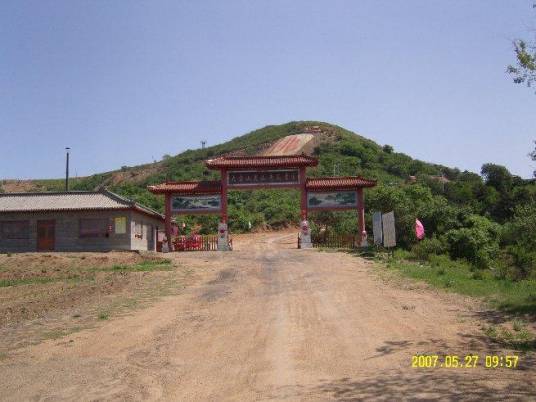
(303, 201)
(168, 220)
(361, 214)
(224, 196)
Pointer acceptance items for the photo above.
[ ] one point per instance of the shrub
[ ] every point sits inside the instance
(449, 283)
(443, 263)
(521, 229)
(477, 275)
(440, 261)
(478, 241)
(439, 216)
(523, 260)
(428, 247)
(103, 315)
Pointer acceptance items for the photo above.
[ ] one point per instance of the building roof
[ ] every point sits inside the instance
(338, 183)
(214, 186)
(238, 162)
(187, 187)
(70, 201)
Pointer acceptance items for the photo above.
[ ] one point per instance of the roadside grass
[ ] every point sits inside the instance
(59, 333)
(163, 264)
(520, 338)
(103, 315)
(148, 265)
(514, 298)
(4, 283)
(122, 305)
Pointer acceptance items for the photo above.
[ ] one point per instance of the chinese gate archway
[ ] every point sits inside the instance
(255, 172)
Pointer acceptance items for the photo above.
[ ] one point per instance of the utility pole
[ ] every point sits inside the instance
(67, 169)
(203, 144)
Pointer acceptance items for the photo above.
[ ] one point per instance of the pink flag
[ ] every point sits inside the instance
(419, 229)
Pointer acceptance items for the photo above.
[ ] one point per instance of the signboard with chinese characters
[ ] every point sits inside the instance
(196, 203)
(244, 178)
(332, 200)
(388, 226)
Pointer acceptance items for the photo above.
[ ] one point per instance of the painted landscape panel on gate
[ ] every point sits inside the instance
(332, 199)
(194, 203)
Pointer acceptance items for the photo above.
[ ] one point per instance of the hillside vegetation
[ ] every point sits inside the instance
(486, 220)
(340, 151)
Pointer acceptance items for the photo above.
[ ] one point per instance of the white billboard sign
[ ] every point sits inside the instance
(388, 227)
(377, 228)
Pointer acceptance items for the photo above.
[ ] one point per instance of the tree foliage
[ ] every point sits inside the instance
(477, 241)
(533, 156)
(525, 69)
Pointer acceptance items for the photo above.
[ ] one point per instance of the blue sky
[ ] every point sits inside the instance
(123, 82)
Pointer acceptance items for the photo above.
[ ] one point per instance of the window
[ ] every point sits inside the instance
(138, 230)
(93, 227)
(15, 230)
(120, 224)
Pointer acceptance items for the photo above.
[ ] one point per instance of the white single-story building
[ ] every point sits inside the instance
(76, 221)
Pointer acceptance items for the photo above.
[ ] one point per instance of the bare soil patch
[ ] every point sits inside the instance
(50, 295)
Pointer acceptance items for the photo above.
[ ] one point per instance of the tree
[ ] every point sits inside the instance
(497, 176)
(525, 69)
(388, 149)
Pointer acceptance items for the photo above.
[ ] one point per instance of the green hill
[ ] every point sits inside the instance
(339, 149)
(340, 152)
(486, 220)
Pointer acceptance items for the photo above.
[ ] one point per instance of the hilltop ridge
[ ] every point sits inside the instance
(341, 152)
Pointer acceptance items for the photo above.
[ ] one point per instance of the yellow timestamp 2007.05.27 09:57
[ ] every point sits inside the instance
(467, 361)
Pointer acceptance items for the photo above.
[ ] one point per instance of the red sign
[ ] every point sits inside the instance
(240, 178)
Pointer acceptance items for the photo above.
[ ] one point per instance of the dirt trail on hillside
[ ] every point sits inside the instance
(268, 322)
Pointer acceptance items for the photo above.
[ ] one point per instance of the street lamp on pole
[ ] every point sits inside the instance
(67, 149)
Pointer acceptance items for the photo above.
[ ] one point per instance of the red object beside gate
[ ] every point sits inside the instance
(195, 243)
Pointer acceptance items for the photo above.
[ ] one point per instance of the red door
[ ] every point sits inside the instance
(46, 235)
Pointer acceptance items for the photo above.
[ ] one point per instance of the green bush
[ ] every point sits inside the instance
(520, 229)
(427, 248)
(401, 254)
(477, 242)
(441, 261)
(524, 261)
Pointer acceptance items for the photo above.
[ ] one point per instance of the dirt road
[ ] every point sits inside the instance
(266, 322)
